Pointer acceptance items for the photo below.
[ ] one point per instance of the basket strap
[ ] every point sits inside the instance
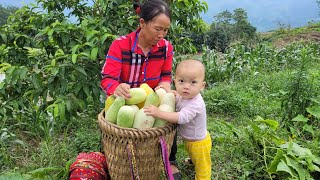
(165, 158)
(132, 160)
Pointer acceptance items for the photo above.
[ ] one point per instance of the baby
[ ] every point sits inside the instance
(190, 115)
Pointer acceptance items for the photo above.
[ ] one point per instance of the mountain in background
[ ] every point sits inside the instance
(265, 15)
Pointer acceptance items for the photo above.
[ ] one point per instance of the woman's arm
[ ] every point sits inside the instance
(166, 71)
(111, 73)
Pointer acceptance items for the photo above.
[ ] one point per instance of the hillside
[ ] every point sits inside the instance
(268, 15)
(283, 36)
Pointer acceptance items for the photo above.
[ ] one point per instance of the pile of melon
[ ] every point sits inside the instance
(129, 113)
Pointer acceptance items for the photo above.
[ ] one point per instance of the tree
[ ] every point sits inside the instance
(228, 27)
(242, 27)
(62, 59)
(224, 18)
(5, 12)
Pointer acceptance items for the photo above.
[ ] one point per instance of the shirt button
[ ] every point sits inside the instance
(142, 73)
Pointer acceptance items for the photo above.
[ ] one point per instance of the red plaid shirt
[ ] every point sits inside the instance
(126, 63)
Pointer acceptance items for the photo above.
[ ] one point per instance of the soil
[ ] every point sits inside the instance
(313, 36)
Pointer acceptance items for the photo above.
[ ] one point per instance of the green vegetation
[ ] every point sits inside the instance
(226, 28)
(263, 97)
(306, 33)
(264, 124)
(5, 12)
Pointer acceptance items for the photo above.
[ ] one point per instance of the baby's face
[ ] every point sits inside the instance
(189, 82)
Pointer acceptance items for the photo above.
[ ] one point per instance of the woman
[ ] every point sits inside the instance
(143, 56)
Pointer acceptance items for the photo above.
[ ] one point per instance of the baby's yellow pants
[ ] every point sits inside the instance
(199, 152)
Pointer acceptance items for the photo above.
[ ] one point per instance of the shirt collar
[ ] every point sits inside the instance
(134, 43)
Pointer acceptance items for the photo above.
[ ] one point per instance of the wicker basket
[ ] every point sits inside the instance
(143, 158)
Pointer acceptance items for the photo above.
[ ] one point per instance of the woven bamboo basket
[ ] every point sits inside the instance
(145, 158)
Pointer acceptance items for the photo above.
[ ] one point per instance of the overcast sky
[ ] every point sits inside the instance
(267, 14)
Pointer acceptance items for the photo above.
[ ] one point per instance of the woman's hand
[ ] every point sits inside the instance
(122, 90)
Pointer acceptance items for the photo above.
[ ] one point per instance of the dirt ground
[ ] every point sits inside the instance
(307, 36)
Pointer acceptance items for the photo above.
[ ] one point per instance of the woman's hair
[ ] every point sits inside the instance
(151, 9)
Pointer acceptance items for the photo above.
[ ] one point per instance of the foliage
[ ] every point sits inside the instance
(51, 62)
(294, 161)
(50, 95)
(64, 58)
(5, 12)
(186, 20)
(226, 28)
(281, 37)
(300, 89)
(240, 60)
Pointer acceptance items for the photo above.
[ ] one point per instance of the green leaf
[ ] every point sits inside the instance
(105, 36)
(85, 54)
(308, 128)
(94, 53)
(15, 176)
(90, 34)
(4, 37)
(282, 166)
(69, 105)
(276, 139)
(86, 90)
(316, 160)
(74, 58)
(296, 150)
(314, 110)
(62, 110)
(300, 118)
(50, 32)
(74, 49)
(4, 66)
(43, 172)
(276, 160)
(272, 123)
(89, 44)
(297, 167)
(53, 62)
(10, 73)
(131, 21)
(81, 70)
(56, 110)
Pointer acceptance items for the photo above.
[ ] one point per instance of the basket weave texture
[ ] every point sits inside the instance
(145, 144)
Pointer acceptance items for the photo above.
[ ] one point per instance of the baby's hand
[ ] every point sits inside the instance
(166, 88)
(151, 111)
(174, 92)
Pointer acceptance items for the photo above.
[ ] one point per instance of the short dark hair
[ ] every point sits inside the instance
(152, 8)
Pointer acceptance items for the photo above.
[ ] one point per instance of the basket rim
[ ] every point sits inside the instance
(101, 119)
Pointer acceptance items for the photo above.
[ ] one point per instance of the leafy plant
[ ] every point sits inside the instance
(306, 126)
(7, 139)
(294, 161)
(300, 91)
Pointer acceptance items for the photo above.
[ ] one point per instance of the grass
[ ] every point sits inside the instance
(283, 36)
(231, 109)
(242, 148)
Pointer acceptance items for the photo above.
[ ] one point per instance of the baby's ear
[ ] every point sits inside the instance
(203, 85)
